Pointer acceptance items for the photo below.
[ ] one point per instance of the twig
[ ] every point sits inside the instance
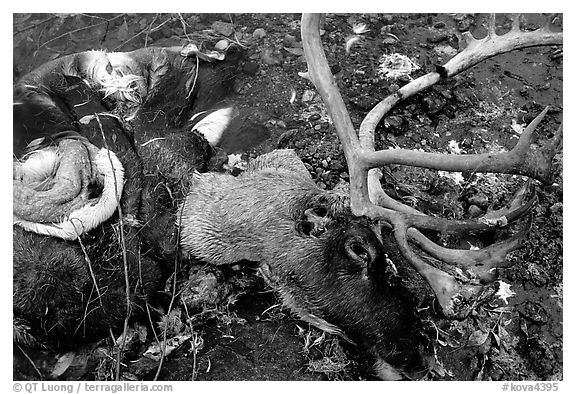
(80, 29)
(149, 30)
(124, 252)
(195, 77)
(194, 346)
(33, 25)
(184, 24)
(31, 362)
(89, 262)
(140, 33)
(163, 352)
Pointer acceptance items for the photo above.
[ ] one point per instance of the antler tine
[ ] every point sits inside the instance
(493, 45)
(481, 264)
(456, 299)
(322, 78)
(516, 22)
(492, 25)
(367, 198)
(521, 160)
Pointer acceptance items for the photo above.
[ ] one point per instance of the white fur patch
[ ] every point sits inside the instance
(37, 167)
(89, 216)
(386, 371)
(212, 127)
(113, 74)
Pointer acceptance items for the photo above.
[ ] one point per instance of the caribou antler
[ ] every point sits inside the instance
(456, 297)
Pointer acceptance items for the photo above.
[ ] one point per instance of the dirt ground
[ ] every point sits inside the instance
(478, 111)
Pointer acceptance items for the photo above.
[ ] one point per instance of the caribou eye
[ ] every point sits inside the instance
(358, 252)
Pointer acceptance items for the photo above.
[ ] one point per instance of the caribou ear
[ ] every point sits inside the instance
(313, 222)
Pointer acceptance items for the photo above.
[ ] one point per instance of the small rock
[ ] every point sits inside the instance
(259, 33)
(324, 163)
(313, 117)
(336, 165)
(439, 25)
(556, 207)
(308, 95)
(474, 211)
(479, 199)
(344, 175)
(224, 28)
(281, 124)
(204, 287)
(300, 144)
(289, 41)
(395, 124)
(433, 103)
(365, 102)
(267, 57)
(393, 87)
(285, 137)
(388, 19)
(321, 185)
(534, 312)
(251, 68)
(389, 40)
(436, 37)
(222, 45)
(318, 127)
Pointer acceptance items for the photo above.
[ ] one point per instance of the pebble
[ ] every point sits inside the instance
(534, 312)
(285, 137)
(222, 45)
(336, 165)
(395, 124)
(393, 87)
(224, 28)
(474, 211)
(479, 199)
(290, 41)
(389, 40)
(388, 19)
(324, 163)
(439, 25)
(267, 57)
(259, 33)
(251, 68)
(308, 95)
(436, 37)
(556, 207)
(318, 127)
(433, 104)
(313, 117)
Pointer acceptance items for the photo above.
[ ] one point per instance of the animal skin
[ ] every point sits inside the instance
(329, 266)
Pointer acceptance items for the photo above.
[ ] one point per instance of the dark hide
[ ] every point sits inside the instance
(54, 290)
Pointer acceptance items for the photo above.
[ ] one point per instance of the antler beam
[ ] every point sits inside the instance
(367, 197)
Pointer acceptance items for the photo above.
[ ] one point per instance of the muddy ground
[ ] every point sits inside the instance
(478, 111)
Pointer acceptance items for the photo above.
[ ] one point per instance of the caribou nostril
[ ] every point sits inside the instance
(321, 211)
